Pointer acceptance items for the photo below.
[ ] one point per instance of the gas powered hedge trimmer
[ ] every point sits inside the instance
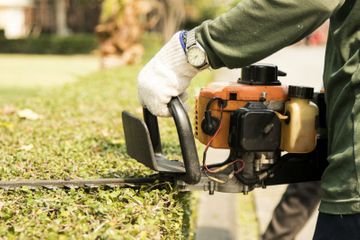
(275, 134)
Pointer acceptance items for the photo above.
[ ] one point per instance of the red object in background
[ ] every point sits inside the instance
(319, 36)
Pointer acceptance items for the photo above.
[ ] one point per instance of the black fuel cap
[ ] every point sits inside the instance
(261, 74)
(301, 92)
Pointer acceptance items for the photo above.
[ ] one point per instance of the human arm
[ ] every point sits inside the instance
(255, 29)
(247, 33)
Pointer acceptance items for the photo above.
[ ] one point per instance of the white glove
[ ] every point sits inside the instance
(167, 75)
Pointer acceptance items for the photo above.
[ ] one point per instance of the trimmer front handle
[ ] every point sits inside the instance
(144, 143)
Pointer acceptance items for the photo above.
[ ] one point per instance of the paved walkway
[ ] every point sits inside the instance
(217, 213)
(304, 67)
(217, 219)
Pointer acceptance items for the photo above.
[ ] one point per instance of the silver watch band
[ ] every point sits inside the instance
(190, 39)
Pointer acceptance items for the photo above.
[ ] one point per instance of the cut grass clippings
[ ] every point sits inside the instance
(80, 136)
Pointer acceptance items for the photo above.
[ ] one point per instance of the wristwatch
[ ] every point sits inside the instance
(195, 53)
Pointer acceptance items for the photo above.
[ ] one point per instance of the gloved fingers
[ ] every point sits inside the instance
(161, 111)
(155, 102)
(166, 75)
(156, 86)
(154, 105)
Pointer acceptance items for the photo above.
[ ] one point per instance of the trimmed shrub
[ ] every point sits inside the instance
(80, 136)
(50, 44)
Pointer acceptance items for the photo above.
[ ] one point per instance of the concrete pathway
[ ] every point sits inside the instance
(217, 216)
(217, 213)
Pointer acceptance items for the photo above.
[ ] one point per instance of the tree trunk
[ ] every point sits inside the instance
(61, 20)
(173, 16)
(120, 32)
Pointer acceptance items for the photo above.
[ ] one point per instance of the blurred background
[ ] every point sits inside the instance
(114, 28)
(46, 43)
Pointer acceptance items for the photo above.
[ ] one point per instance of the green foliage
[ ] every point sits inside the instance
(80, 136)
(201, 10)
(50, 44)
(2, 33)
(110, 8)
(235, 2)
(102, 214)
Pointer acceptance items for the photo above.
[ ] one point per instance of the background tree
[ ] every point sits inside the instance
(172, 16)
(188, 13)
(61, 19)
(198, 11)
(122, 24)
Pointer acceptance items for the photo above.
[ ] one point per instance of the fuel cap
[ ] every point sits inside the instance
(301, 92)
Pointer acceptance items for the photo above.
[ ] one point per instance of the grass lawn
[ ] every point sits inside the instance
(80, 136)
(43, 70)
(24, 75)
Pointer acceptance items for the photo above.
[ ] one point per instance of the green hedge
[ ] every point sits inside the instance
(80, 136)
(50, 44)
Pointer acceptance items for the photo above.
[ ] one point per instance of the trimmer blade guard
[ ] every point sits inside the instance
(144, 144)
(140, 147)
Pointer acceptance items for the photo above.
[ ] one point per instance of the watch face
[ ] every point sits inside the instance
(196, 57)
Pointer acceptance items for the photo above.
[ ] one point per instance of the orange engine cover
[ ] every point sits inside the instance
(237, 96)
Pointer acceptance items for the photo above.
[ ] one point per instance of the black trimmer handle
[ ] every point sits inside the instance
(186, 138)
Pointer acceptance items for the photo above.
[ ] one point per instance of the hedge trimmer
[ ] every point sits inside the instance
(275, 135)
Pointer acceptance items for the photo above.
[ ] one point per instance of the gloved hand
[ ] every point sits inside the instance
(166, 75)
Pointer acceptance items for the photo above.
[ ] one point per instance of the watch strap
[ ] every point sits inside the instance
(190, 39)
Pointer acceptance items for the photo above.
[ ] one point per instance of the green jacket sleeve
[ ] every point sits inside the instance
(255, 29)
